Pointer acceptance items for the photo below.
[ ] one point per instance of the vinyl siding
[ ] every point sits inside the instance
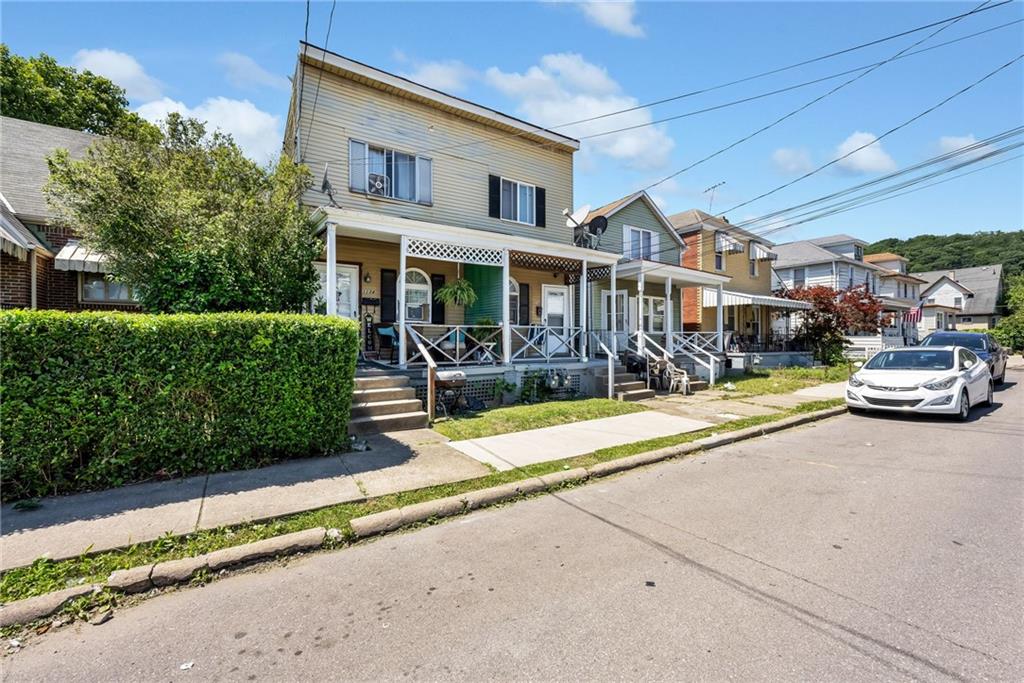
(638, 215)
(347, 110)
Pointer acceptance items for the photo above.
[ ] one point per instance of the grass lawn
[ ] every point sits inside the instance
(46, 575)
(520, 418)
(785, 380)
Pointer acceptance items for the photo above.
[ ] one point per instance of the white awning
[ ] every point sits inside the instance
(727, 243)
(741, 299)
(759, 252)
(75, 256)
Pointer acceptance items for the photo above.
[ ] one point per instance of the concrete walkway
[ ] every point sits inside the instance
(509, 451)
(90, 522)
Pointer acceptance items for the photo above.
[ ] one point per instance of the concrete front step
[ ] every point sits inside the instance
(698, 385)
(619, 377)
(376, 424)
(382, 394)
(603, 370)
(629, 386)
(636, 394)
(402, 405)
(382, 382)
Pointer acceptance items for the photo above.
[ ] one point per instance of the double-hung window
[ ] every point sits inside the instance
(799, 277)
(638, 243)
(383, 172)
(518, 202)
(753, 260)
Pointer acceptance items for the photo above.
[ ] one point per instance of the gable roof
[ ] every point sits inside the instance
(832, 240)
(984, 281)
(695, 219)
(24, 146)
(611, 208)
(883, 256)
(805, 252)
(389, 82)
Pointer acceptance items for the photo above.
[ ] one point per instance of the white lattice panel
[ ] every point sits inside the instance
(445, 251)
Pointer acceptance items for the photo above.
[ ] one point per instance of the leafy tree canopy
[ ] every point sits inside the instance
(834, 315)
(192, 224)
(41, 90)
(941, 252)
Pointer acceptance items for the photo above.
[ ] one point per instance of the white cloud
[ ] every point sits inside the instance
(256, 132)
(122, 69)
(617, 17)
(242, 71)
(792, 160)
(871, 159)
(565, 87)
(448, 75)
(951, 143)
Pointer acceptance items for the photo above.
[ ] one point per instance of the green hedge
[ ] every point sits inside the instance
(95, 400)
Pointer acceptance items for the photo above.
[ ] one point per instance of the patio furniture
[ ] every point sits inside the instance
(387, 338)
(450, 384)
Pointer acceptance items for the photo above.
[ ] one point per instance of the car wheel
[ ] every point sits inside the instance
(988, 396)
(1002, 376)
(965, 406)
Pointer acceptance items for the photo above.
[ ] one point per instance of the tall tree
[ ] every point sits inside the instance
(41, 90)
(946, 252)
(190, 222)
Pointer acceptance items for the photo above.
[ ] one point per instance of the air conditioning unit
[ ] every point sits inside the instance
(377, 184)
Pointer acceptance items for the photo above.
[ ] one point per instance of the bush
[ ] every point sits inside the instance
(1010, 331)
(97, 400)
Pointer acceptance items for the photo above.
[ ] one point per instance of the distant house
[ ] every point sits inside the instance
(975, 294)
(43, 265)
(836, 261)
(900, 291)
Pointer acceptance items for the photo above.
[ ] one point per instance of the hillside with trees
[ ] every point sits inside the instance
(939, 252)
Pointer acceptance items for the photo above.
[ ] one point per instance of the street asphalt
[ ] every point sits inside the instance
(857, 548)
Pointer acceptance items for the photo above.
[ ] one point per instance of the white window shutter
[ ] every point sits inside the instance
(424, 180)
(655, 256)
(626, 242)
(357, 160)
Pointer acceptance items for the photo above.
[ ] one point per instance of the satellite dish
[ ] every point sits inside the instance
(578, 216)
(598, 225)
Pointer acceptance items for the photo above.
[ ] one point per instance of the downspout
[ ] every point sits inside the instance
(32, 278)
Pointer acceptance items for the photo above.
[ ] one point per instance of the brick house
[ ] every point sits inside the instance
(42, 264)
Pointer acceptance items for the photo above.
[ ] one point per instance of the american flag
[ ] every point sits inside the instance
(913, 315)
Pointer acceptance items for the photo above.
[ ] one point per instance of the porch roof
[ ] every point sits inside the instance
(742, 299)
(654, 271)
(383, 228)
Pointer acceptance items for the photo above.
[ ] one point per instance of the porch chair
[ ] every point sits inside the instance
(386, 333)
(678, 380)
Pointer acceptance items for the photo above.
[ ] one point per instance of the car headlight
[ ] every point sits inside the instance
(855, 381)
(941, 385)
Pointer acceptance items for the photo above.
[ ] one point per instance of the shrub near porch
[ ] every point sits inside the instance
(98, 400)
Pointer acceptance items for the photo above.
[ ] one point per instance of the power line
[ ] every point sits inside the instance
(302, 80)
(883, 135)
(806, 105)
(320, 76)
(540, 129)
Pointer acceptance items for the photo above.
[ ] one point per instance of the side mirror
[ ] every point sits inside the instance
(967, 364)
(858, 364)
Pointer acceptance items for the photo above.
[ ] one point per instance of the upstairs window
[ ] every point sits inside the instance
(383, 172)
(518, 202)
(638, 243)
(958, 301)
(858, 252)
(799, 277)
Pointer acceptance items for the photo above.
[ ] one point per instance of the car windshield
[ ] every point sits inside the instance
(911, 360)
(975, 342)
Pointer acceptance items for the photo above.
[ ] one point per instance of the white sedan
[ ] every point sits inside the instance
(944, 380)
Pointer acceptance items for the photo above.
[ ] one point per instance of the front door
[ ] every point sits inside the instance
(619, 326)
(348, 289)
(556, 317)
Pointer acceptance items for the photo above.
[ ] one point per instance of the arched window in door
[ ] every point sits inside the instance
(417, 295)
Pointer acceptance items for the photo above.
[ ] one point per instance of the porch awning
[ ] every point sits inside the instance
(725, 242)
(75, 256)
(759, 252)
(741, 299)
(15, 238)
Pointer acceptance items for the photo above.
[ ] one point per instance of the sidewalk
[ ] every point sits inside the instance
(91, 522)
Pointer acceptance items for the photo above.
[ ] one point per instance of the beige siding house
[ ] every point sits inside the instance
(417, 189)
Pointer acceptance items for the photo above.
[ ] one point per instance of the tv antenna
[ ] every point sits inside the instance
(712, 189)
(326, 188)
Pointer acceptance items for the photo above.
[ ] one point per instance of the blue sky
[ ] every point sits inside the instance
(554, 62)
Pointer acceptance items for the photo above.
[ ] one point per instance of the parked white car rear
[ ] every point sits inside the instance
(945, 380)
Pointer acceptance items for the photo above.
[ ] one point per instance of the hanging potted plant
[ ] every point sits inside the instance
(458, 292)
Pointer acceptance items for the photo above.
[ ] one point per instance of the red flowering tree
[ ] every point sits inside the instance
(834, 315)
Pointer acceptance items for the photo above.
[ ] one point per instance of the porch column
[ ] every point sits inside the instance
(668, 317)
(614, 304)
(640, 345)
(402, 350)
(506, 325)
(583, 310)
(32, 278)
(718, 318)
(332, 270)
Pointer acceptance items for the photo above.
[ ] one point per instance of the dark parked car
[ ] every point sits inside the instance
(983, 344)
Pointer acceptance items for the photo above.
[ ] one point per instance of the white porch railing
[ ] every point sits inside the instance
(599, 347)
(543, 343)
(707, 341)
(701, 348)
(431, 370)
(455, 344)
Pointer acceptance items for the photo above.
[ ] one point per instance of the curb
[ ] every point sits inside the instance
(170, 572)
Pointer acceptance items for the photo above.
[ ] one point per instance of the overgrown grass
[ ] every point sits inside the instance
(786, 380)
(46, 575)
(520, 418)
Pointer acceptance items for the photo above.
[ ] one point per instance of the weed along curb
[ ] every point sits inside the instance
(171, 572)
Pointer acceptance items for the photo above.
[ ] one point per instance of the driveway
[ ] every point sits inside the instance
(858, 548)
